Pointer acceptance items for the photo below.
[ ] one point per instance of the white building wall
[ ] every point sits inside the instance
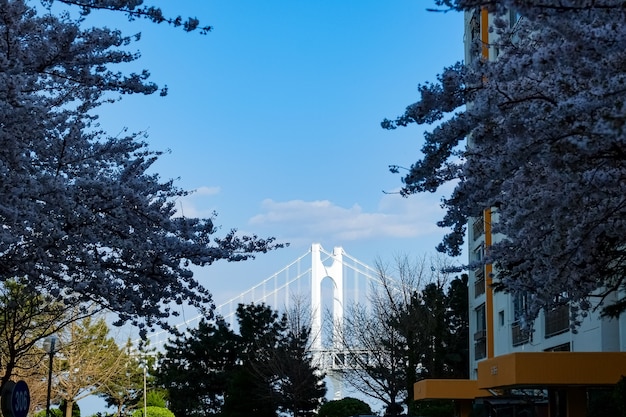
(622, 328)
(595, 334)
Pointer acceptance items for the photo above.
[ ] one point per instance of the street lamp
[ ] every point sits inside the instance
(48, 347)
(145, 394)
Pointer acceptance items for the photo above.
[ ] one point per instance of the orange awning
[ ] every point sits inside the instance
(540, 369)
(448, 389)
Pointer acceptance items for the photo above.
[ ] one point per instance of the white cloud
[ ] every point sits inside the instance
(205, 191)
(195, 204)
(395, 217)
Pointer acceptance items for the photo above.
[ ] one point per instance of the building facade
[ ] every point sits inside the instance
(545, 369)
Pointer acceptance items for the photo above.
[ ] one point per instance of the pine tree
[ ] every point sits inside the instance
(262, 370)
(88, 358)
(298, 383)
(195, 369)
(125, 388)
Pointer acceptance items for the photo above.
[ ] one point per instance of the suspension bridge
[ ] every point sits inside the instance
(326, 283)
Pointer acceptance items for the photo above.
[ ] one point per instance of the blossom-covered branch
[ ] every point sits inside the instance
(545, 123)
(134, 10)
(82, 218)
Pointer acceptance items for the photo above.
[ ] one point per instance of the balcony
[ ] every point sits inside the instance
(478, 227)
(556, 321)
(479, 281)
(519, 336)
(480, 349)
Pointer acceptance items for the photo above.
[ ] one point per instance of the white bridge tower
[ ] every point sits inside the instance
(333, 272)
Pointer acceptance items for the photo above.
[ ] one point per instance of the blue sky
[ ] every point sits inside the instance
(274, 118)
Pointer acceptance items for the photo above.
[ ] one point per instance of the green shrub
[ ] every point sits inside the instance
(153, 411)
(54, 412)
(155, 399)
(345, 407)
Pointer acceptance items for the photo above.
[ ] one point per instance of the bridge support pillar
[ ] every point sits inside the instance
(336, 379)
(319, 272)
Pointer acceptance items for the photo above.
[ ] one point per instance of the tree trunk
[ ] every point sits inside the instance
(69, 407)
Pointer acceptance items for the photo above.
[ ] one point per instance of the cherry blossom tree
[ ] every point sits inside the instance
(545, 124)
(82, 215)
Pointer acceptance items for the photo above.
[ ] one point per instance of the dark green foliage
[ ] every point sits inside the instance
(434, 325)
(434, 408)
(394, 409)
(607, 402)
(250, 390)
(457, 336)
(300, 385)
(443, 318)
(248, 394)
(345, 407)
(195, 369)
(155, 399)
(260, 371)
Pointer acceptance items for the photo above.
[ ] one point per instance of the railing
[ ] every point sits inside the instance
(556, 321)
(338, 360)
(480, 346)
(478, 227)
(519, 336)
(479, 281)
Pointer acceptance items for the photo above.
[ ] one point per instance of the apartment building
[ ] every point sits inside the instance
(550, 371)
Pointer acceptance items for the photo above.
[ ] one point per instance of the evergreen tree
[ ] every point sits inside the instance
(457, 337)
(262, 370)
(251, 391)
(196, 369)
(88, 358)
(125, 387)
(298, 384)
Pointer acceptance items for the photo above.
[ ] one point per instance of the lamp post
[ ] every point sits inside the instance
(145, 394)
(48, 347)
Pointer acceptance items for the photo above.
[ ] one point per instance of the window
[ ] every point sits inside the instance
(479, 271)
(481, 318)
(565, 347)
(556, 318)
(480, 336)
(519, 305)
(519, 333)
(478, 227)
(474, 26)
